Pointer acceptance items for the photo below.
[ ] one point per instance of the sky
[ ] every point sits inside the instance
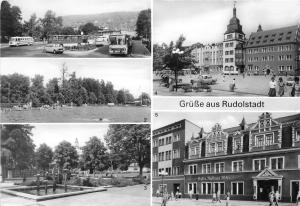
(131, 74)
(205, 21)
(53, 134)
(208, 119)
(73, 7)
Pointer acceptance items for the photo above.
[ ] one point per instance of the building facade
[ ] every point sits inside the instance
(209, 58)
(168, 152)
(248, 160)
(275, 51)
(234, 39)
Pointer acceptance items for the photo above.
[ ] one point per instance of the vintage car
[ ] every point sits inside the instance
(54, 48)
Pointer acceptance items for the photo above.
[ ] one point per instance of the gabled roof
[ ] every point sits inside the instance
(275, 36)
(267, 174)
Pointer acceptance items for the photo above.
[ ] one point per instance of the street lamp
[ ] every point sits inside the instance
(162, 174)
(176, 52)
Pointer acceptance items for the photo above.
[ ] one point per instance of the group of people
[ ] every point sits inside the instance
(281, 85)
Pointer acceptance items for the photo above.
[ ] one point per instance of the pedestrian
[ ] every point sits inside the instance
(218, 196)
(191, 193)
(277, 196)
(157, 193)
(298, 199)
(272, 90)
(176, 195)
(227, 198)
(281, 87)
(223, 78)
(214, 197)
(271, 198)
(295, 88)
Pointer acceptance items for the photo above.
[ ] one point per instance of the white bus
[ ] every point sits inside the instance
(20, 41)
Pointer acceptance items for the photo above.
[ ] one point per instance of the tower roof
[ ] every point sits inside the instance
(234, 25)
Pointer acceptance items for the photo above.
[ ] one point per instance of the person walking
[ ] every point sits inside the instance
(227, 198)
(214, 197)
(295, 88)
(271, 198)
(277, 196)
(272, 90)
(218, 196)
(298, 199)
(281, 87)
(191, 194)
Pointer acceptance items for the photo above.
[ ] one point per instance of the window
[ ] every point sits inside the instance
(297, 136)
(219, 186)
(220, 147)
(206, 168)
(212, 147)
(155, 143)
(259, 164)
(176, 138)
(192, 169)
(237, 144)
(154, 157)
(168, 155)
(161, 156)
(193, 187)
(237, 188)
(176, 154)
(298, 161)
(206, 188)
(155, 172)
(219, 167)
(277, 163)
(168, 140)
(269, 139)
(237, 166)
(168, 170)
(175, 170)
(260, 141)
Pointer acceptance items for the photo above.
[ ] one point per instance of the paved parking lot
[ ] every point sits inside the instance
(36, 50)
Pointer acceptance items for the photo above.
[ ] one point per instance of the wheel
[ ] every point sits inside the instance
(54, 52)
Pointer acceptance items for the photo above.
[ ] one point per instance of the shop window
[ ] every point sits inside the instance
(277, 163)
(219, 186)
(193, 187)
(206, 188)
(237, 188)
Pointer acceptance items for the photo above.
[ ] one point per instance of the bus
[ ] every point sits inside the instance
(120, 44)
(20, 41)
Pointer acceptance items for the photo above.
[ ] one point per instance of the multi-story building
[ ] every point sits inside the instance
(168, 152)
(248, 160)
(275, 51)
(209, 58)
(234, 39)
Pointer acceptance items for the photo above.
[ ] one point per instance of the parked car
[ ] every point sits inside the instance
(54, 48)
(290, 81)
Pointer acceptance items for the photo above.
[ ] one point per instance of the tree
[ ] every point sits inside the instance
(145, 98)
(92, 98)
(95, 155)
(121, 97)
(159, 51)
(15, 88)
(143, 24)
(11, 17)
(51, 24)
(131, 142)
(109, 94)
(65, 155)
(177, 58)
(43, 156)
(37, 90)
(32, 27)
(68, 31)
(18, 145)
(88, 28)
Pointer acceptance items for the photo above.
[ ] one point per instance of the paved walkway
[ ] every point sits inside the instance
(205, 202)
(125, 196)
(245, 86)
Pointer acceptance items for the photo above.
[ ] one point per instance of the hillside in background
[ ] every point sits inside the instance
(114, 20)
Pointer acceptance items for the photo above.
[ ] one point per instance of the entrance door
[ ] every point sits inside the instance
(295, 187)
(268, 71)
(264, 187)
(176, 187)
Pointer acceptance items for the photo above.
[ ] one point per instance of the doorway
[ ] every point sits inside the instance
(176, 187)
(268, 71)
(295, 187)
(264, 187)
